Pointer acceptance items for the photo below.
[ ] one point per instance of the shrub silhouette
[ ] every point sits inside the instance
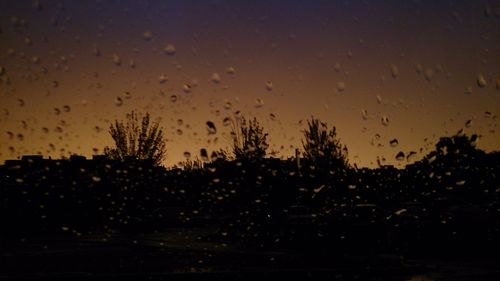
(322, 147)
(137, 138)
(249, 139)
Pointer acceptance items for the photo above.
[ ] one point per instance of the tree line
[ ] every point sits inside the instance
(138, 137)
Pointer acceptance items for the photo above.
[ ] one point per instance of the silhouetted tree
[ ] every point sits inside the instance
(322, 147)
(138, 138)
(249, 139)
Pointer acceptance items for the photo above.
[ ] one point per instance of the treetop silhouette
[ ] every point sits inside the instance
(137, 137)
(322, 146)
(249, 139)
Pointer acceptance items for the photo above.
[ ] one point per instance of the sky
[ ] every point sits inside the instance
(413, 71)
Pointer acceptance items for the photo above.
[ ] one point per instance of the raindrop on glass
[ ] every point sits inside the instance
(227, 121)
(216, 78)
(117, 60)
(394, 142)
(364, 114)
(20, 102)
(118, 101)
(400, 156)
(468, 123)
(173, 98)
(230, 70)
(269, 85)
(66, 108)
(481, 81)
(57, 111)
(147, 35)
(187, 154)
(410, 156)
(259, 102)
(187, 88)
(394, 71)
(341, 86)
(162, 78)
(169, 49)
(211, 128)
(385, 120)
(204, 154)
(379, 99)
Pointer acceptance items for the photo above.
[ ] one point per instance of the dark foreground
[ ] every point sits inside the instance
(185, 254)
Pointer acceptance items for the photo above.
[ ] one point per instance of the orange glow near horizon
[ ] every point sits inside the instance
(428, 68)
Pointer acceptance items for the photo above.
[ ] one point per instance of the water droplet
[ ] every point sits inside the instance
(28, 41)
(179, 132)
(498, 85)
(394, 142)
(187, 154)
(127, 95)
(96, 178)
(211, 128)
(45, 130)
(394, 71)
(2, 70)
(337, 67)
(20, 102)
(187, 88)
(66, 108)
(269, 85)
(216, 78)
(117, 60)
(410, 156)
(35, 59)
(481, 81)
(170, 49)
(385, 120)
(272, 116)
(180, 122)
(400, 156)
(131, 63)
(468, 123)
(230, 70)
(227, 121)
(379, 99)
(147, 35)
(259, 103)
(55, 84)
(57, 111)
(20, 137)
(162, 78)
(364, 114)
(340, 87)
(228, 105)
(399, 212)
(118, 101)
(204, 154)
(173, 98)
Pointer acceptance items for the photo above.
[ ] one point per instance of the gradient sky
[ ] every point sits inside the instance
(426, 66)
